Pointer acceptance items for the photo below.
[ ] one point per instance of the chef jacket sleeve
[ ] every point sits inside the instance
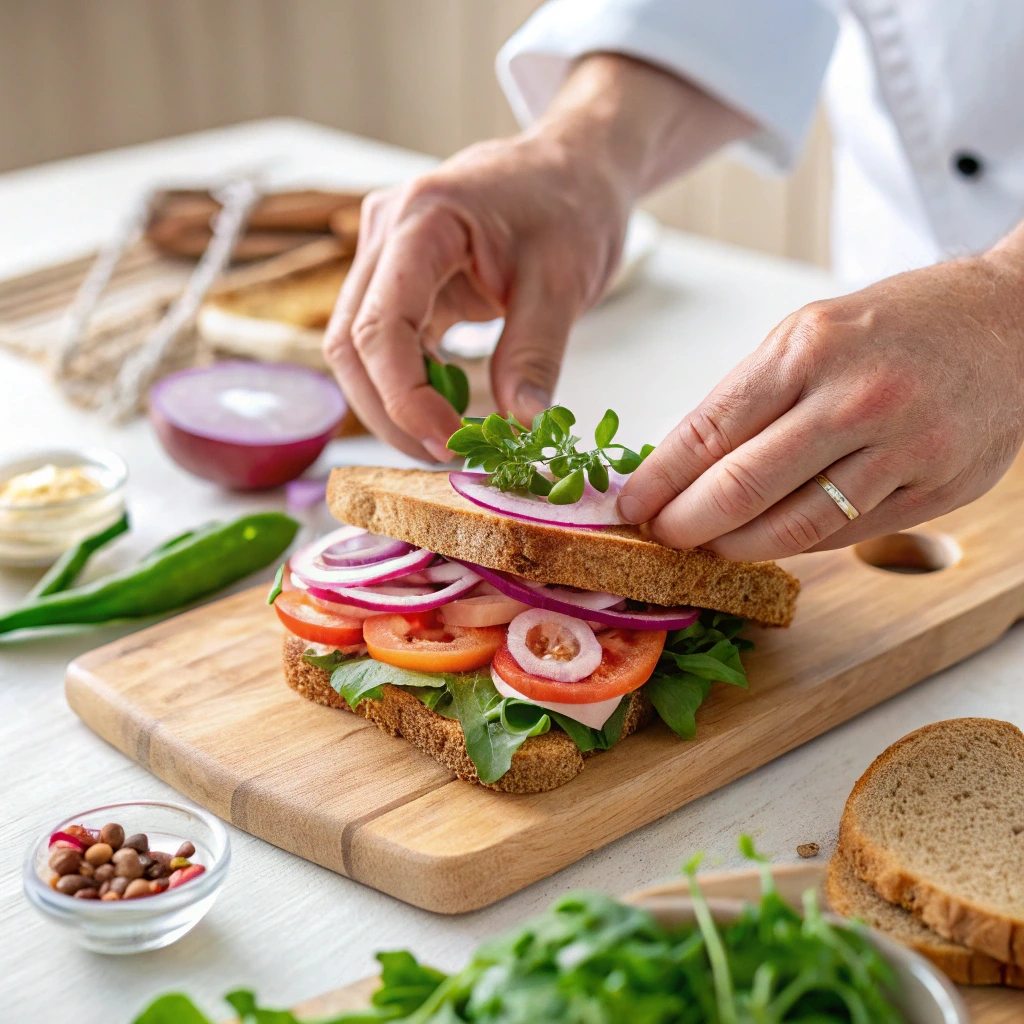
(765, 58)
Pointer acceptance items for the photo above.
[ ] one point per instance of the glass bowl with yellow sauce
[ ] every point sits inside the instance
(50, 500)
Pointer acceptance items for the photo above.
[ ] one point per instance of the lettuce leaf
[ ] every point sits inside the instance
(704, 653)
(362, 678)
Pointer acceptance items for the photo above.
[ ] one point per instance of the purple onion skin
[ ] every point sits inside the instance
(238, 467)
(544, 599)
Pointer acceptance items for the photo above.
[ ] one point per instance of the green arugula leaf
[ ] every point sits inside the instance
(494, 727)
(327, 662)
(363, 678)
(243, 1002)
(676, 698)
(450, 381)
(405, 983)
(588, 739)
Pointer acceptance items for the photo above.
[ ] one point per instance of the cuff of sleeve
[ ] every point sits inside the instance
(766, 60)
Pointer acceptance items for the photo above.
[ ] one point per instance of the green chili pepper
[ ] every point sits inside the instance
(212, 559)
(63, 573)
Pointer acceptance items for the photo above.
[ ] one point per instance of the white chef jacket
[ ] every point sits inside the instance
(925, 99)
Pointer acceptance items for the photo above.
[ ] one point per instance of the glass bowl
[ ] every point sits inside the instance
(135, 926)
(37, 534)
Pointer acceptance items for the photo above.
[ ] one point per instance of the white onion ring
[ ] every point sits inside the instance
(541, 628)
(311, 566)
(593, 511)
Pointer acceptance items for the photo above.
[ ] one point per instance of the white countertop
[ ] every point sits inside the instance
(288, 928)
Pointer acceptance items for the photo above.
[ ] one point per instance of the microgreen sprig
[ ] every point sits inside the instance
(543, 458)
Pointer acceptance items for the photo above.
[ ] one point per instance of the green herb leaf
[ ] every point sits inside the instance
(606, 429)
(539, 484)
(496, 431)
(676, 698)
(405, 983)
(645, 451)
(560, 415)
(627, 462)
(567, 490)
(598, 476)
(466, 439)
(450, 381)
(278, 585)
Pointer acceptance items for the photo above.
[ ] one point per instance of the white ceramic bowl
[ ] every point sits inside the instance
(134, 926)
(924, 994)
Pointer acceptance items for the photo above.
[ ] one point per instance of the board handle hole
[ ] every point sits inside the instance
(909, 553)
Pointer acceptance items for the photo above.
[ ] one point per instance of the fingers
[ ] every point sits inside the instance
(808, 518)
(526, 364)
(751, 479)
(752, 396)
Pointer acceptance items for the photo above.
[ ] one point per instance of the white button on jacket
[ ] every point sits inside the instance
(925, 99)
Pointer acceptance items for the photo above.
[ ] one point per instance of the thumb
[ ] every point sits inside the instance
(528, 359)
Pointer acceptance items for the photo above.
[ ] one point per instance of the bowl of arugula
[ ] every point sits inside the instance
(663, 959)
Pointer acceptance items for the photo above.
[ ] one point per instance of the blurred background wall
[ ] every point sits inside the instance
(78, 76)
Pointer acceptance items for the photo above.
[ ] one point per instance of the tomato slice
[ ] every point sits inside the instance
(421, 641)
(308, 618)
(627, 663)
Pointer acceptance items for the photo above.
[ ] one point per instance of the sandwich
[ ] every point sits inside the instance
(509, 634)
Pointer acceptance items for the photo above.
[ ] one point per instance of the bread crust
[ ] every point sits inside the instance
(951, 914)
(850, 896)
(421, 508)
(540, 764)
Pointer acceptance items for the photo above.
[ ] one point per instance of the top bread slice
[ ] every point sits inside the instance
(936, 824)
(421, 508)
(849, 895)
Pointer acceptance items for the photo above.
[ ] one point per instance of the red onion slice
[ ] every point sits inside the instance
(553, 646)
(564, 601)
(442, 572)
(311, 566)
(593, 511)
(246, 425)
(398, 597)
(361, 548)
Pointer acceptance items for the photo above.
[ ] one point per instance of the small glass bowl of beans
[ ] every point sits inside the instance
(130, 877)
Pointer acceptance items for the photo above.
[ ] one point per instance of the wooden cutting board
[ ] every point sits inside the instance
(986, 1005)
(200, 701)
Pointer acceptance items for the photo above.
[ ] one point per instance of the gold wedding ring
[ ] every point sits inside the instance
(837, 496)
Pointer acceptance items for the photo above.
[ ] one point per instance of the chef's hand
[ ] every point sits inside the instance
(529, 228)
(907, 395)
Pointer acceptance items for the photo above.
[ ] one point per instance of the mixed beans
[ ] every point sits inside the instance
(107, 865)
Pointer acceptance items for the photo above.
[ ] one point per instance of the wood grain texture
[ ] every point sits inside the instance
(986, 1005)
(200, 701)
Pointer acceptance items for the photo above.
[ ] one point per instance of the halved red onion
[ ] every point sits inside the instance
(246, 425)
(310, 563)
(553, 646)
(593, 511)
(566, 601)
(399, 597)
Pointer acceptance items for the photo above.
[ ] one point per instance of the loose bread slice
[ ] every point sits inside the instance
(850, 896)
(541, 763)
(936, 824)
(421, 508)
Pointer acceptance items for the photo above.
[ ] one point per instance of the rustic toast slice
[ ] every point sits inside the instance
(421, 508)
(850, 896)
(936, 825)
(541, 763)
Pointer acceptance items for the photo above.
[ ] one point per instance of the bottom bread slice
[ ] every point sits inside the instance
(541, 763)
(850, 896)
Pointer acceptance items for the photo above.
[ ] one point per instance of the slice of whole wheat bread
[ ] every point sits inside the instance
(936, 824)
(421, 508)
(850, 896)
(541, 763)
